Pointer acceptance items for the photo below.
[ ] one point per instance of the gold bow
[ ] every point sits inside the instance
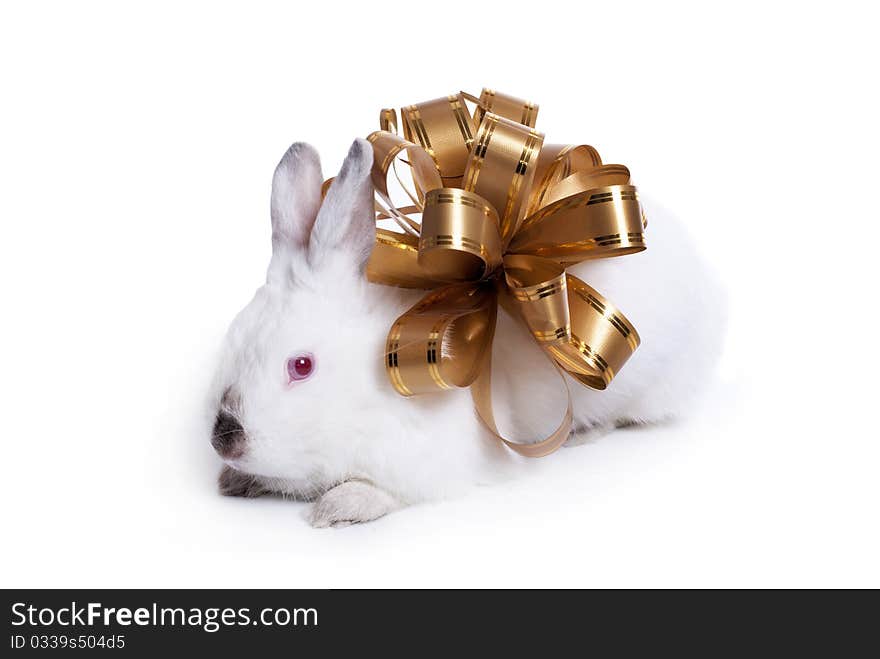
(503, 214)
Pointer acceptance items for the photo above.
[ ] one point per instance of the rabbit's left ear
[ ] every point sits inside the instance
(296, 197)
(346, 223)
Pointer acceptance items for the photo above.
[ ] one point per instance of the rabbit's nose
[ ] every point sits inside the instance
(228, 438)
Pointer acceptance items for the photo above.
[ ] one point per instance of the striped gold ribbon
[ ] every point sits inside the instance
(502, 215)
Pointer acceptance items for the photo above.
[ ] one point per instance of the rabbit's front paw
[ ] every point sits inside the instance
(234, 483)
(351, 502)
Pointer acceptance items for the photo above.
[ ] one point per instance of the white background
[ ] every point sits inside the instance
(136, 155)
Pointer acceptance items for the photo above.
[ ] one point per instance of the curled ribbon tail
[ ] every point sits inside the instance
(481, 394)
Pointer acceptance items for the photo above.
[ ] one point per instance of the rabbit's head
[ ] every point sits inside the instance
(301, 367)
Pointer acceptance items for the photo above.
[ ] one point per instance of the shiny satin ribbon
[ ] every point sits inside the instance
(502, 215)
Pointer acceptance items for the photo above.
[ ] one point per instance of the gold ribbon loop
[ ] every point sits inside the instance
(581, 181)
(538, 291)
(439, 343)
(597, 223)
(459, 239)
(556, 162)
(502, 215)
(388, 120)
(602, 339)
(444, 129)
(386, 147)
(395, 262)
(501, 168)
(510, 107)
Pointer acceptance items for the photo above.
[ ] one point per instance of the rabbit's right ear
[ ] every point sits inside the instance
(296, 197)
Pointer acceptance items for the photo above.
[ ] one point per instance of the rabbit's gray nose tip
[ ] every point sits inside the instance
(228, 437)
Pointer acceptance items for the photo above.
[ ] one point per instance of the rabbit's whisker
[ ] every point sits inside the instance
(228, 432)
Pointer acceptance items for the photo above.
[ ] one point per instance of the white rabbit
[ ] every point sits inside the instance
(305, 409)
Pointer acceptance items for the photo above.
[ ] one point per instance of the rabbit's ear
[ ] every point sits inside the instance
(346, 224)
(296, 197)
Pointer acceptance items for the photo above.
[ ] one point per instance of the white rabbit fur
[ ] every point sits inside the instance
(346, 439)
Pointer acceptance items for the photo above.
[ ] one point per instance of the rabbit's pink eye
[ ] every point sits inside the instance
(300, 367)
